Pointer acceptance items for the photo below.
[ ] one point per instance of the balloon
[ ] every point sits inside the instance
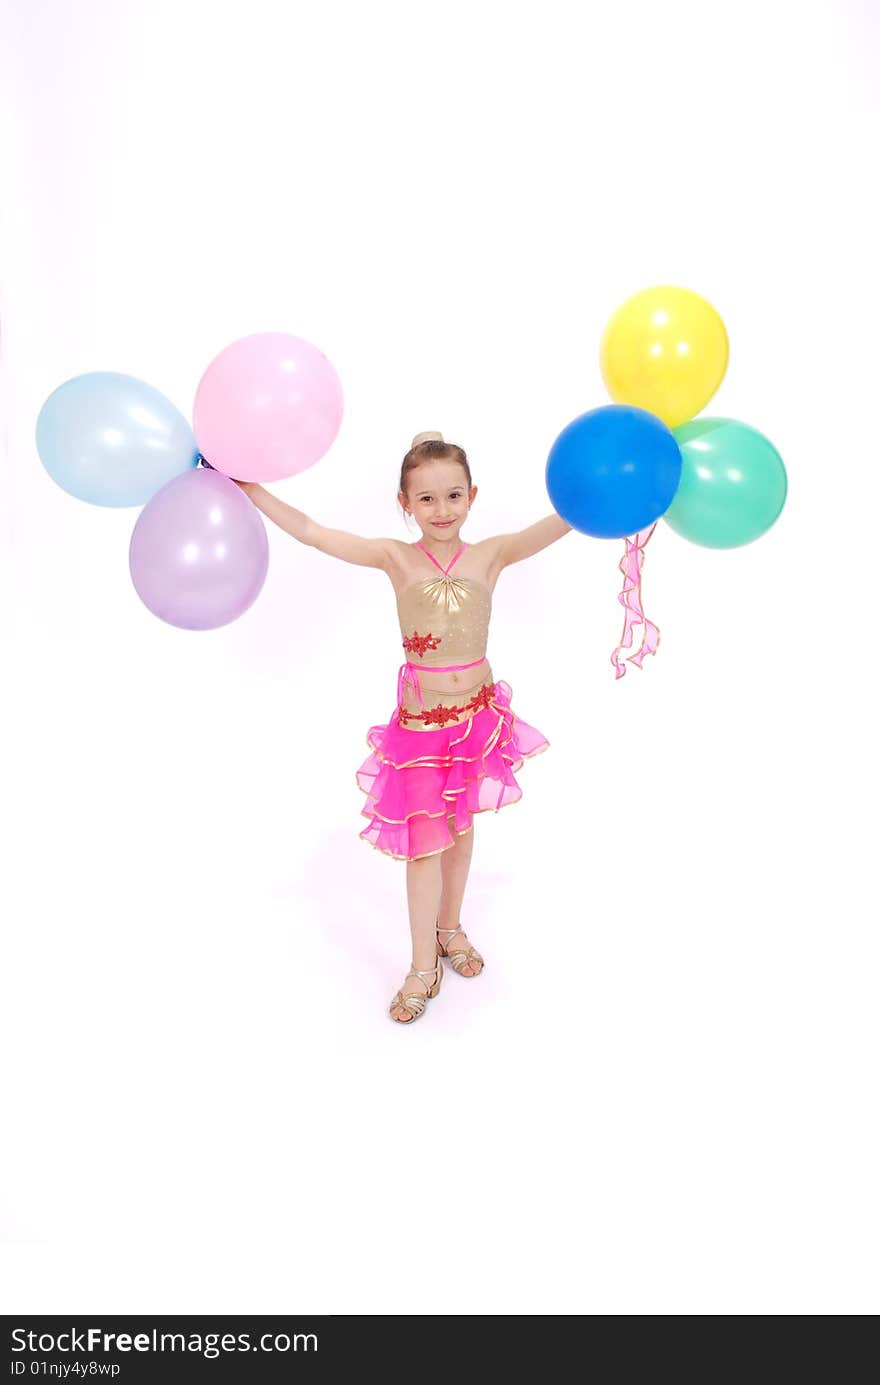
(199, 552)
(613, 471)
(267, 407)
(113, 440)
(733, 483)
(665, 350)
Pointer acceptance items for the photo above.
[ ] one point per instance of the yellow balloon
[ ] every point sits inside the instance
(665, 350)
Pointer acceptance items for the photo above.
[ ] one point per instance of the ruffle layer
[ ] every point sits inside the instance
(414, 780)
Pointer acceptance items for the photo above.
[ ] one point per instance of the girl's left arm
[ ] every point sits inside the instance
(525, 544)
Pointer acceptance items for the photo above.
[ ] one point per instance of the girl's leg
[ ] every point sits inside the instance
(423, 898)
(454, 866)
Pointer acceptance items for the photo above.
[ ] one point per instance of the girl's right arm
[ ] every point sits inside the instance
(349, 547)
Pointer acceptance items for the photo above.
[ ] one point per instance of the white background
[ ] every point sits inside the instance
(661, 1095)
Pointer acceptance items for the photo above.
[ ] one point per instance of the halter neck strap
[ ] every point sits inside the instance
(444, 570)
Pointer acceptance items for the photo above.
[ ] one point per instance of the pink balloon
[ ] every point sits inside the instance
(199, 552)
(267, 407)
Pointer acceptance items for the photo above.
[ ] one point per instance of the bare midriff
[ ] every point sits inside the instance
(468, 680)
(450, 697)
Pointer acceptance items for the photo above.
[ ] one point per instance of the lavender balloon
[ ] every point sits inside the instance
(199, 552)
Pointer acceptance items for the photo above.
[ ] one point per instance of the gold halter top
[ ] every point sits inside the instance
(444, 622)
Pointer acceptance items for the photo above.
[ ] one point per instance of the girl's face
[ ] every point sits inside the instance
(437, 494)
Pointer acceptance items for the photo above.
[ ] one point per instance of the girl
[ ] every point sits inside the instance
(453, 742)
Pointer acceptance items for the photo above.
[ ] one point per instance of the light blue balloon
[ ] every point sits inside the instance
(113, 440)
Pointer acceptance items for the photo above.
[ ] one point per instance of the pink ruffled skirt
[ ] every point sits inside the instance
(414, 780)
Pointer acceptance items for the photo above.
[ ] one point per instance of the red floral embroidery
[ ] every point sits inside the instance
(439, 716)
(483, 697)
(418, 644)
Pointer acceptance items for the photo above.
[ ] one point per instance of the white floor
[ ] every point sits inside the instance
(655, 1099)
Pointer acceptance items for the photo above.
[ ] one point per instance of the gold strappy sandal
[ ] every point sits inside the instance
(461, 956)
(415, 1003)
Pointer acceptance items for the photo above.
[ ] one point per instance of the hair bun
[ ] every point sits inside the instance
(426, 437)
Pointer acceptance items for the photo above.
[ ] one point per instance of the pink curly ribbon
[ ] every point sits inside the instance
(630, 598)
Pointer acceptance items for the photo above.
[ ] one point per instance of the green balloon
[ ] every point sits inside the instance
(733, 483)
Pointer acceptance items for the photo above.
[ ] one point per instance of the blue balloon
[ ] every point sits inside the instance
(113, 440)
(613, 471)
